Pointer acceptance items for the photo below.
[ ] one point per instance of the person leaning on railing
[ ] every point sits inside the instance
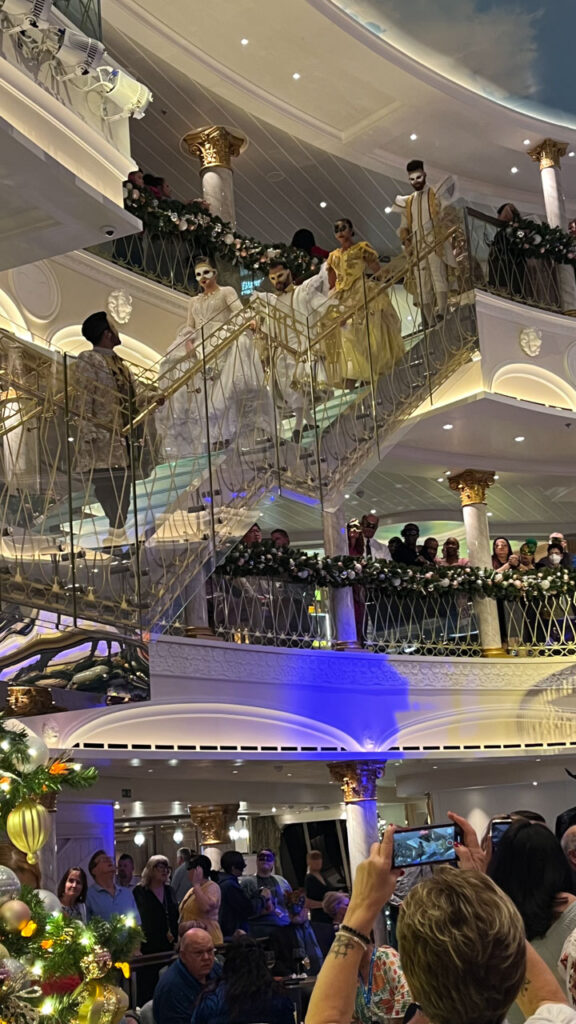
(506, 265)
(461, 943)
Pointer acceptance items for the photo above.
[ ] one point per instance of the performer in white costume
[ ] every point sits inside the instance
(237, 400)
(289, 334)
(420, 228)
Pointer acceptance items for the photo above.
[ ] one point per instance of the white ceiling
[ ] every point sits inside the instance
(358, 97)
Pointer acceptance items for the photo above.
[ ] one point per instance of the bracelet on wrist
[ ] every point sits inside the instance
(354, 938)
(365, 939)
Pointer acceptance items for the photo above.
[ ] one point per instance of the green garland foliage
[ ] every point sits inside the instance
(209, 235)
(23, 782)
(541, 241)
(292, 564)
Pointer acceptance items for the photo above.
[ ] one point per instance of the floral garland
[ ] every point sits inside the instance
(209, 234)
(541, 241)
(292, 564)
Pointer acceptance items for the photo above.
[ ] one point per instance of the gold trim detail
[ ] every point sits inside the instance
(214, 146)
(472, 485)
(548, 153)
(357, 779)
(213, 820)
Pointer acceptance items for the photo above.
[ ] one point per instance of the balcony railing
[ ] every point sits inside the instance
(282, 613)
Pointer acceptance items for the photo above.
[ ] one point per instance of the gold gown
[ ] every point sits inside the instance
(359, 347)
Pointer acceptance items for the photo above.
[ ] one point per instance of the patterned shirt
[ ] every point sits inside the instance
(386, 997)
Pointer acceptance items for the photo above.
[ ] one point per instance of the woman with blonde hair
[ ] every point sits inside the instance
(158, 909)
(202, 901)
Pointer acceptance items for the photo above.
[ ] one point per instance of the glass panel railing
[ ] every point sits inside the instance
(84, 14)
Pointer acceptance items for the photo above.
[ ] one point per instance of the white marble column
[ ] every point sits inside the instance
(472, 485)
(548, 154)
(341, 598)
(358, 779)
(215, 146)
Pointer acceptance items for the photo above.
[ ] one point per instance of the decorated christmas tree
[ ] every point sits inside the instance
(52, 968)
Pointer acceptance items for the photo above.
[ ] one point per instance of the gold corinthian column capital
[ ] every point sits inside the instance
(214, 146)
(357, 779)
(472, 485)
(213, 820)
(548, 153)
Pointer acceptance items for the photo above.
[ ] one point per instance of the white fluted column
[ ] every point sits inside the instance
(341, 598)
(472, 485)
(548, 154)
(357, 780)
(214, 146)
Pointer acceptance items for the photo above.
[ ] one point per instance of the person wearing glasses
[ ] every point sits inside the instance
(267, 891)
(158, 909)
(180, 987)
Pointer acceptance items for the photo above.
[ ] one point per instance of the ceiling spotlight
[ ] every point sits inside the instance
(534, 783)
(413, 137)
(440, 479)
(447, 472)
(139, 838)
(489, 513)
(116, 805)
(372, 511)
(296, 76)
(244, 42)
(346, 495)
(173, 762)
(513, 170)
(387, 209)
(520, 438)
(178, 835)
(526, 142)
(571, 153)
(135, 762)
(496, 477)
(323, 204)
(273, 809)
(448, 426)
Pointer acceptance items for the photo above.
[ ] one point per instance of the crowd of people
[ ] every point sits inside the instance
(461, 939)
(195, 912)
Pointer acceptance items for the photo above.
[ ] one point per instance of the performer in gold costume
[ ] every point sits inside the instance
(366, 340)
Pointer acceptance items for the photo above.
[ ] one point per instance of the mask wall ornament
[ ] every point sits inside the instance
(530, 341)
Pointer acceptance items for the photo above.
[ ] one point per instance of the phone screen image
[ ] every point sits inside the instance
(497, 830)
(433, 844)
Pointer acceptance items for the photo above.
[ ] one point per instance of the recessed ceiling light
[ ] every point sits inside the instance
(526, 142)
(513, 170)
(346, 495)
(135, 762)
(534, 783)
(387, 209)
(150, 770)
(571, 153)
(448, 472)
(234, 771)
(448, 426)
(440, 479)
(489, 513)
(520, 438)
(173, 762)
(323, 204)
(372, 511)
(496, 477)
(413, 137)
(116, 805)
(273, 809)
(296, 76)
(244, 42)
(289, 774)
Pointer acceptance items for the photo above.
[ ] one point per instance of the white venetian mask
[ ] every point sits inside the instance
(204, 273)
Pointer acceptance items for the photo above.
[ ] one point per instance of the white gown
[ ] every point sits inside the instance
(236, 398)
(302, 305)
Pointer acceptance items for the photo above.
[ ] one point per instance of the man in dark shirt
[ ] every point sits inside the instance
(236, 906)
(178, 988)
(407, 553)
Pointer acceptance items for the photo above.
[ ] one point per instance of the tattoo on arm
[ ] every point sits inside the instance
(342, 946)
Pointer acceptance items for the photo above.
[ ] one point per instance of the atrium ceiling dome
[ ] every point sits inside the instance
(517, 52)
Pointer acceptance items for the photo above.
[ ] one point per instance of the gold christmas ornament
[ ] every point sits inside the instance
(28, 828)
(102, 1004)
(96, 964)
(15, 915)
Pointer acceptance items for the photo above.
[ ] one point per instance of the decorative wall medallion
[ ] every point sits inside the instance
(530, 341)
(570, 362)
(36, 290)
(119, 305)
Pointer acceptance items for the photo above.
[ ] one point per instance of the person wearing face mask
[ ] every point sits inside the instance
(420, 230)
(238, 401)
(366, 340)
(554, 556)
(285, 339)
(558, 540)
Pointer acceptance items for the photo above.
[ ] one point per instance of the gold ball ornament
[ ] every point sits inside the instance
(101, 1004)
(96, 964)
(15, 914)
(28, 828)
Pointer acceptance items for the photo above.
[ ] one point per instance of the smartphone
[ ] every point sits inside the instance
(498, 827)
(433, 844)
